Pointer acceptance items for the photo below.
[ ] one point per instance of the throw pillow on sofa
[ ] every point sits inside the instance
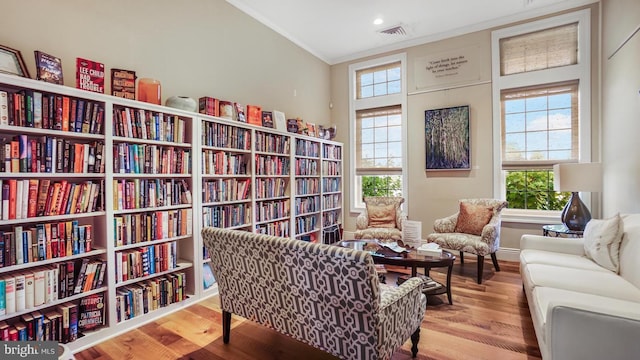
(602, 242)
(382, 216)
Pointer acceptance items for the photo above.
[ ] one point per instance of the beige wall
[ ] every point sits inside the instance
(432, 195)
(194, 47)
(621, 107)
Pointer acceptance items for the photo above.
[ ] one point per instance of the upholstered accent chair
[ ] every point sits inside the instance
(323, 295)
(474, 229)
(381, 219)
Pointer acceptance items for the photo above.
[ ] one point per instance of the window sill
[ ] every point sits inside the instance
(530, 216)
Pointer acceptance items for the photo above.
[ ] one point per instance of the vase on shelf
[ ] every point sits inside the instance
(149, 90)
(182, 103)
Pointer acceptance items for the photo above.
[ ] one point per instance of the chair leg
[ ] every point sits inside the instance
(495, 261)
(415, 337)
(226, 326)
(461, 258)
(480, 268)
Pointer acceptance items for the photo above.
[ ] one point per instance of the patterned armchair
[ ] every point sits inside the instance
(324, 295)
(382, 219)
(474, 229)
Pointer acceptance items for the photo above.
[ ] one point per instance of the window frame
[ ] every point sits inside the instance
(580, 71)
(356, 205)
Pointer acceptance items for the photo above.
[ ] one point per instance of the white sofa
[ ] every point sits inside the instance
(579, 309)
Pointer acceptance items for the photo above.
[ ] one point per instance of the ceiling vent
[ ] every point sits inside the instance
(396, 30)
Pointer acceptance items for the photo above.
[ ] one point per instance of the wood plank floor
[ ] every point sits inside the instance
(488, 321)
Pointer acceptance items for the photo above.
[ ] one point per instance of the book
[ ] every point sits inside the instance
(4, 108)
(91, 312)
(311, 129)
(48, 68)
(254, 115)
(208, 106)
(207, 276)
(90, 75)
(280, 121)
(239, 111)
(123, 83)
(292, 125)
(267, 119)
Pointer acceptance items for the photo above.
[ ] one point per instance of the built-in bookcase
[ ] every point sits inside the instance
(120, 189)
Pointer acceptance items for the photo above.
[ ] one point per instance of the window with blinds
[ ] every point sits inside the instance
(379, 141)
(539, 50)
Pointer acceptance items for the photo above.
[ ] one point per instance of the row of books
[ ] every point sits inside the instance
(218, 190)
(138, 299)
(46, 154)
(225, 136)
(330, 168)
(150, 159)
(43, 242)
(305, 224)
(235, 111)
(271, 165)
(149, 193)
(332, 201)
(330, 218)
(307, 148)
(267, 142)
(224, 163)
(270, 187)
(330, 151)
(146, 260)
(28, 198)
(275, 228)
(225, 216)
(304, 205)
(50, 111)
(330, 185)
(157, 225)
(307, 186)
(38, 286)
(266, 210)
(306, 167)
(148, 125)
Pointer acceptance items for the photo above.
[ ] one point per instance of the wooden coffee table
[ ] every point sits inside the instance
(409, 259)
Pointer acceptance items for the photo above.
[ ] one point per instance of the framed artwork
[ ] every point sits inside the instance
(447, 138)
(11, 62)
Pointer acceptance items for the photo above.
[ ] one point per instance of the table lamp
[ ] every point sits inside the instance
(575, 178)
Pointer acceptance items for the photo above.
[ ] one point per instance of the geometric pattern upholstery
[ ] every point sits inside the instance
(363, 231)
(487, 243)
(323, 295)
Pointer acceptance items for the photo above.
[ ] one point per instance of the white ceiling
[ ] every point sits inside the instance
(342, 30)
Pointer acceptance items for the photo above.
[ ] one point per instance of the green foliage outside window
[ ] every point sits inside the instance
(533, 190)
(390, 185)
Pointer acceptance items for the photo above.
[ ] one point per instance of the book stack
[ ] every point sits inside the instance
(430, 284)
(430, 249)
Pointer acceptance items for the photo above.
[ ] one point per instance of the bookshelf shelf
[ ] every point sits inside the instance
(230, 173)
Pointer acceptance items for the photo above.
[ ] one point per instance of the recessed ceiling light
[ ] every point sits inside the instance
(378, 21)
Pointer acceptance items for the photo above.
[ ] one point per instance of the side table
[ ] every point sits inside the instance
(560, 229)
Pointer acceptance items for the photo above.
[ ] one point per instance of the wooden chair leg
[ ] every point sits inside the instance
(480, 268)
(226, 326)
(461, 258)
(495, 261)
(415, 337)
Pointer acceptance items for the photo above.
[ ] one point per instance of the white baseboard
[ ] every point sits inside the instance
(508, 254)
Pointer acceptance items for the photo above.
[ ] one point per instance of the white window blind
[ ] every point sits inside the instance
(379, 141)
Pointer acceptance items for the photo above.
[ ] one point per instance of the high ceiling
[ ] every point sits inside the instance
(341, 30)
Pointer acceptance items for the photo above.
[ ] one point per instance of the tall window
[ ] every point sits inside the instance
(377, 113)
(541, 97)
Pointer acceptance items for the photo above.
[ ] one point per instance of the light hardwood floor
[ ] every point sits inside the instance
(488, 321)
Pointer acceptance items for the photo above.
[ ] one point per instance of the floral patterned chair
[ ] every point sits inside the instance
(323, 295)
(474, 229)
(382, 219)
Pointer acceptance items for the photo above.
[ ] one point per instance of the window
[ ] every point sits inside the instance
(541, 107)
(377, 119)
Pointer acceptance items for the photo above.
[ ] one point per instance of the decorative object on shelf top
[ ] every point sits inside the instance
(226, 109)
(182, 103)
(254, 115)
(11, 62)
(292, 125)
(90, 75)
(48, 68)
(574, 178)
(280, 120)
(149, 90)
(123, 83)
(332, 132)
(240, 115)
(267, 119)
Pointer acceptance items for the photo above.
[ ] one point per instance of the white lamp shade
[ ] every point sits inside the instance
(577, 177)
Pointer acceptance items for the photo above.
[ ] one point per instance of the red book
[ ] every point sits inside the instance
(32, 209)
(254, 115)
(89, 75)
(66, 107)
(13, 190)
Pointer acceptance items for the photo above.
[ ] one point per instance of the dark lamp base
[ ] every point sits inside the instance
(575, 214)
